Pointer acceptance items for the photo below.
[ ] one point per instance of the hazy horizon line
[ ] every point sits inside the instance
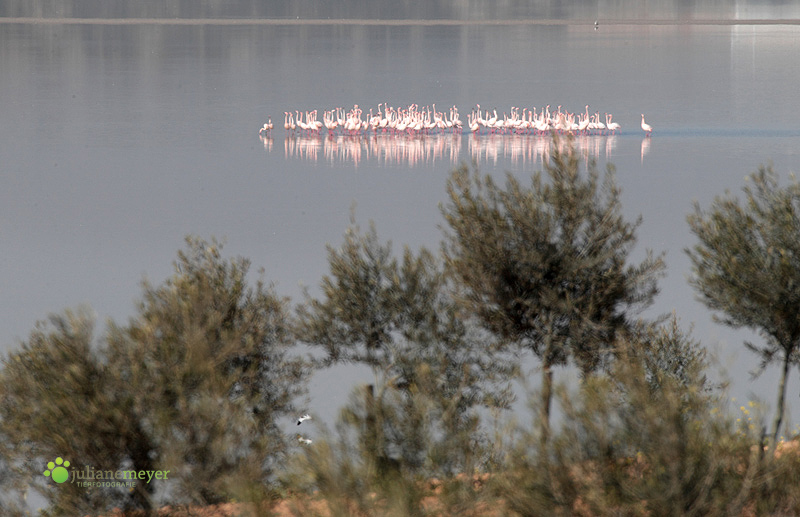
(389, 22)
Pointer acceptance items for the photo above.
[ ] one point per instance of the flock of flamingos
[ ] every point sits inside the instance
(416, 120)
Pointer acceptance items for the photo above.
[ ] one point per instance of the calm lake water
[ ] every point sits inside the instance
(116, 141)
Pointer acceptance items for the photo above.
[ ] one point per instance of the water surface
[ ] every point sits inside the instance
(118, 140)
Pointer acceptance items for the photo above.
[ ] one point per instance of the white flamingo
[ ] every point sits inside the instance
(597, 124)
(610, 124)
(647, 128)
(417, 119)
(473, 123)
(267, 127)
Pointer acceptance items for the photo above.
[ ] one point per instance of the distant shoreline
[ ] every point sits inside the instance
(367, 22)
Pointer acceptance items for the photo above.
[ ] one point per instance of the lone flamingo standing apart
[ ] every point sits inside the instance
(267, 127)
(647, 128)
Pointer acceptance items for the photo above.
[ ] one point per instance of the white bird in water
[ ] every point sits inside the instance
(647, 128)
(303, 418)
(267, 127)
(423, 121)
(304, 441)
(596, 25)
(610, 124)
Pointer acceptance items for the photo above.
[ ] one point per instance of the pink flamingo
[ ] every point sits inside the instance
(647, 128)
(610, 124)
(267, 127)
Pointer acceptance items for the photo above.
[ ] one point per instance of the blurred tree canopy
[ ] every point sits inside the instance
(547, 266)
(432, 367)
(60, 399)
(746, 266)
(645, 438)
(194, 384)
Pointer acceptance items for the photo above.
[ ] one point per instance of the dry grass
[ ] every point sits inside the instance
(433, 503)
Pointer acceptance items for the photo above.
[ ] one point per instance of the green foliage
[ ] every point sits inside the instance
(194, 384)
(649, 437)
(368, 298)
(746, 266)
(645, 439)
(548, 263)
(546, 266)
(347, 474)
(432, 367)
(59, 399)
(746, 261)
(205, 362)
(670, 355)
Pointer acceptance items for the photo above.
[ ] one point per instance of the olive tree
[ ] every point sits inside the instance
(58, 398)
(195, 383)
(207, 361)
(547, 265)
(432, 367)
(746, 267)
(647, 437)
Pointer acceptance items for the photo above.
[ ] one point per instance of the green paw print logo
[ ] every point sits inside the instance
(57, 470)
